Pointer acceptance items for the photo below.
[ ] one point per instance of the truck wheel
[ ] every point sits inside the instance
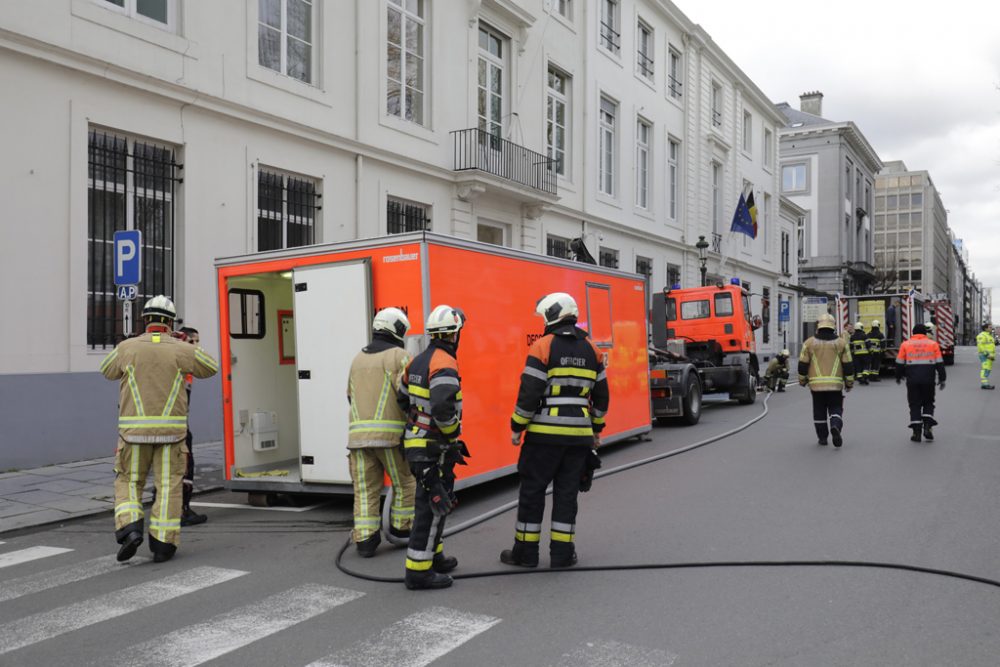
(692, 402)
(749, 394)
(260, 499)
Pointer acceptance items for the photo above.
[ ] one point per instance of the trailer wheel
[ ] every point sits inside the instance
(692, 402)
(260, 499)
(750, 388)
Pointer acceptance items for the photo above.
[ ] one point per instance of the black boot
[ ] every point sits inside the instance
(419, 581)
(191, 518)
(367, 547)
(562, 557)
(928, 433)
(521, 557)
(835, 434)
(444, 564)
(162, 551)
(129, 546)
(916, 434)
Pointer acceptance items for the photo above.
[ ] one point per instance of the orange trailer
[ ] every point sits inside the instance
(291, 321)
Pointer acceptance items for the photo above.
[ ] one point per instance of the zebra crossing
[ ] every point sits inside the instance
(418, 639)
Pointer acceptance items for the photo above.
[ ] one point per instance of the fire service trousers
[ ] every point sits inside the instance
(921, 399)
(539, 465)
(425, 536)
(827, 405)
(132, 465)
(369, 465)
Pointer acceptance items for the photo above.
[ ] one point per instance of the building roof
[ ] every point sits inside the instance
(798, 118)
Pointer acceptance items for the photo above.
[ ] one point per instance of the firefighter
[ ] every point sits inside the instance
(152, 428)
(776, 374)
(859, 351)
(560, 411)
(986, 346)
(918, 360)
(376, 432)
(826, 367)
(876, 348)
(431, 397)
(188, 516)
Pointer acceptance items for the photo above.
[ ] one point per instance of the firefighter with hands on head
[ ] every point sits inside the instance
(859, 351)
(431, 396)
(918, 360)
(152, 428)
(826, 367)
(560, 411)
(876, 348)
(376, 432)
(986, 346)
(776, 374)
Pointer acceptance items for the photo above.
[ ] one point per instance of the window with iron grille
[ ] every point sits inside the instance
(131, 184)
(673, 275)
(786, 245)
(644, 267)
(286, 210)
(403, 216)
(556, 246)
(645, 58)
(610, 37)
(765, 313)
(675, 77)
(608, 257)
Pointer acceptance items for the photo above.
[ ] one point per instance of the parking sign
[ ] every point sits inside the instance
(128, 257)
(784, 310)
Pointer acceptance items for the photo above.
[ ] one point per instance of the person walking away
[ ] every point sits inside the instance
(986, 346)
(859, 352)
(431, 397)
(876, 350)
(826, 367)
(560, 411)
(152, 428)
(376, 433)
(776, 374)
(918, 360)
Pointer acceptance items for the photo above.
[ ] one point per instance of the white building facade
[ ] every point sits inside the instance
(237, 126)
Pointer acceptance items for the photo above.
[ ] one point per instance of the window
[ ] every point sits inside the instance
(609, 111)
(564, 8)
(489, 234)
(892, 201)
(556, 246)
(160, 13)
(764, 212)
(917, 199)
(644, 266)
(404, 216)
(246, 313)
(556, 119)
(673, 172)
(800, 238)
(645, 57)
(285, 37)
(848, 168)
(786, 253)
(286, 210)
(405, 66)
(768, 148)
(131, 184)
(491, 80)
(723, 304)
(793, 178)
(765, 314)
(642, 133)
(695, 310)
(610, 37)
(716, 196)
(675, 80)
(608, 257)
(716, 105)
(673, 275)
(747, 132)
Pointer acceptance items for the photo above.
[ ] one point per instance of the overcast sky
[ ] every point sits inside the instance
(920, 78)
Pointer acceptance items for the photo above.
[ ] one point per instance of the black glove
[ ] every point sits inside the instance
(941, 385)
(429, 476)
(592, 463)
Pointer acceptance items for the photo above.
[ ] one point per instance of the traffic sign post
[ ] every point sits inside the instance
(127, 259)
(784, 310)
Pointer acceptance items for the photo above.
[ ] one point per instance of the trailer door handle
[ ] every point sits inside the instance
(305, 375)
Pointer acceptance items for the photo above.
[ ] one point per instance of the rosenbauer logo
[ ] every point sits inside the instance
(401, 257)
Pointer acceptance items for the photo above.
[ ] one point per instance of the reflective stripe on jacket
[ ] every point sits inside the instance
(859, 343)
(376, 419)
(152, 408)
(431, 394)
(826, 363)
(919, 359)
(876, 341)
(985, 343)
(563, 397)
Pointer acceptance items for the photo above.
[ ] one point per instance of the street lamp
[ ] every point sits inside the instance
(702, 246)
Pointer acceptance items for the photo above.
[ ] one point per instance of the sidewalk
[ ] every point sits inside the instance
(71, 490)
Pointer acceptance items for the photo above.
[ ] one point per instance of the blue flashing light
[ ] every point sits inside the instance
(734, 281)
(675, 286)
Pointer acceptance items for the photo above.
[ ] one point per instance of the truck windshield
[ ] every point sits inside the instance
(723, 305)
(671, 310)
(695, 310)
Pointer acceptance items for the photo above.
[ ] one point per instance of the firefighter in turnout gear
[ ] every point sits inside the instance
(918, 360)
(152, 426)
(986, 346)
(376, 433)
(776, 374)
(859, 350)
(876, 348)
(826, 367)
(561, 407)
(431, 397)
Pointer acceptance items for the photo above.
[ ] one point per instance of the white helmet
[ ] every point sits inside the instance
(929, 325)
(556, 306)
(393, 321)
(159, 307)
(875, 323)
(444, 320)
(786, 353)
(859, 325)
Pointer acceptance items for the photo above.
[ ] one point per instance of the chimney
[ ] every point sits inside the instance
(811, 103)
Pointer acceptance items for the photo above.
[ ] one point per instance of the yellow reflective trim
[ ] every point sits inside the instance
(135, 391)
(174, 391)
(206, 359)
(380, 407)
(440, 548)
(354, 406)
(156, 338)
(553, 412)
(417, 390)
(519, 419)
(108, 359)
(418, 565)
(458, 396)
(448, 429)
(598, 420)
(561, 537)
(584, 391)
(560, 430)
(164, 496)
(573, 372)
(527, 537)
(415, 443)
(556, 389)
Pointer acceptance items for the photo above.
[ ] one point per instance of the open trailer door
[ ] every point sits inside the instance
(333, 314)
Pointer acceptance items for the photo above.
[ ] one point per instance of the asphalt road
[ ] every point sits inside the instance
(259, 587)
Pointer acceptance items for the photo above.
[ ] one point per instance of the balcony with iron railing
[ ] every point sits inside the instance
(717, 242)
(478, 150)
(675, 86)
(610, 38)
(716, 118)
(645, 64)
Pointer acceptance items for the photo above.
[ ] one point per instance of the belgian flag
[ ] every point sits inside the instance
(752, 207)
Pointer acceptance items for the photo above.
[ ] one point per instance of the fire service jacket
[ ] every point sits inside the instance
(918, 360)
(825, 363)
(152, 408)
(431, 397)
(376, 418)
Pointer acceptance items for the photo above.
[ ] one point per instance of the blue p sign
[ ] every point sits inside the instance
(127, 257)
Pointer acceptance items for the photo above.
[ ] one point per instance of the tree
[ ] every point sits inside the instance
(886, 274)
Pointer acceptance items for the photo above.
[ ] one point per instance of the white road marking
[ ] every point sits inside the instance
(233, 630)
(415, 641)
(46, 625)
(615, 654)
(29, 554)
(42, 581)
(237, 506)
